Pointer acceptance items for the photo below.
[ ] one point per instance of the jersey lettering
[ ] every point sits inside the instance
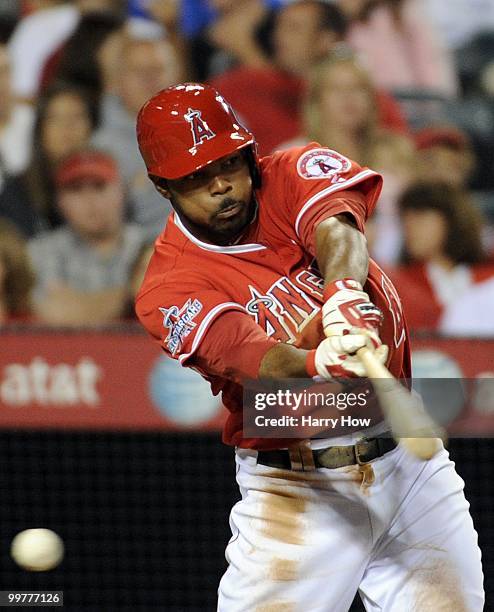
(293, 303)
(395, 309)
(312, 281)
(282, 310)
(266, 314)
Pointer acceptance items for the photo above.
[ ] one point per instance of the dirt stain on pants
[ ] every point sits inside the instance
(437, 589)
(282, 517)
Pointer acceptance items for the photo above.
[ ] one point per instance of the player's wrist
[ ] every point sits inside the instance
(310, 363)
(349, 284)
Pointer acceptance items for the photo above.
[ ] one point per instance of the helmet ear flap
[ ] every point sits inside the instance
(252, 160)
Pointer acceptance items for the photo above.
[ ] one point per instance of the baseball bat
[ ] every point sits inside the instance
(403, 411)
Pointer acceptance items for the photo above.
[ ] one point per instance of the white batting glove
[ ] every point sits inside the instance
(335, 357)
(348, 306)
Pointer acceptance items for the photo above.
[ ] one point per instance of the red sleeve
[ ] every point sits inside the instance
(307, 184)
(179, 317)
(233, 347)
(350, 202)
(320, 176)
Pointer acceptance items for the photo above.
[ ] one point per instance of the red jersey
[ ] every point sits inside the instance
(219, 309)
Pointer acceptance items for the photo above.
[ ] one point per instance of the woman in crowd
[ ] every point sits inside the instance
(64, 123)
(16, 275)
(343, 110)
(443, 259)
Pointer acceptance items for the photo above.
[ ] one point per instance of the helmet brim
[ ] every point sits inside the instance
(207, 152)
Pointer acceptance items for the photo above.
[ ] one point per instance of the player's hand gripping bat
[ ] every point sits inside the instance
(404, 412)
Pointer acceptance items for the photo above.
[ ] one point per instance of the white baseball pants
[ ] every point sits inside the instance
(306, 542)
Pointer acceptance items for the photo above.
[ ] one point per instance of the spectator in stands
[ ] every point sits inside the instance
(394, 157)
(443, 260)
(472, 314)
(269, 98)
(40, 34)
(458, 21)
(83, 268)
(64, 123)
(231, 38)
(169, 16)
(34, 39)
(79, 61)
(342, 109)
(444, 155)
(16, 275)
(16, 124)
(196, 15)
(146, 66)
(10, 12)
(399, 46)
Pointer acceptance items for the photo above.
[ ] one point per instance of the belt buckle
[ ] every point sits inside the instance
(358, 453)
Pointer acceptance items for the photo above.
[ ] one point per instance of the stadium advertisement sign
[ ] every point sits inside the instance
(117, 380)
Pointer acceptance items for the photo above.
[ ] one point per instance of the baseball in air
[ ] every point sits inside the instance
(37, 550)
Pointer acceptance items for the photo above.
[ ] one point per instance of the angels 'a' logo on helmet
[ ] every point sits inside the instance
(199, 128)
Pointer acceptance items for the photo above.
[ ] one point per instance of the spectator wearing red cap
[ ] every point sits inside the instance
(83, 267)
(444, 154)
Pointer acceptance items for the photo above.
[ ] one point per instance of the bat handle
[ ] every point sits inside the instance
(373, 367)
(396, 401)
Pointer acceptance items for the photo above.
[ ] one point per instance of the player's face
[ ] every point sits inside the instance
(215, 203)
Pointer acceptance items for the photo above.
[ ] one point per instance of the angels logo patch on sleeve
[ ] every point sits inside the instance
(179, 322)
(322, 163)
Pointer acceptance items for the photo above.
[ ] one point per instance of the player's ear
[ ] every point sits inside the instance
(163, 191)
(160, 185)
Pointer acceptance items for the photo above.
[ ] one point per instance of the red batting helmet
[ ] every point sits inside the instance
(185, 127)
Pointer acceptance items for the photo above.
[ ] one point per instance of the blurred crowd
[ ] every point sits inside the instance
(405, 87)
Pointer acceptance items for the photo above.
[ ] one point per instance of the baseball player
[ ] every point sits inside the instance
(256, 251)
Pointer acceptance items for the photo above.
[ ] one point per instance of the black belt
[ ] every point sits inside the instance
(363, 451)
